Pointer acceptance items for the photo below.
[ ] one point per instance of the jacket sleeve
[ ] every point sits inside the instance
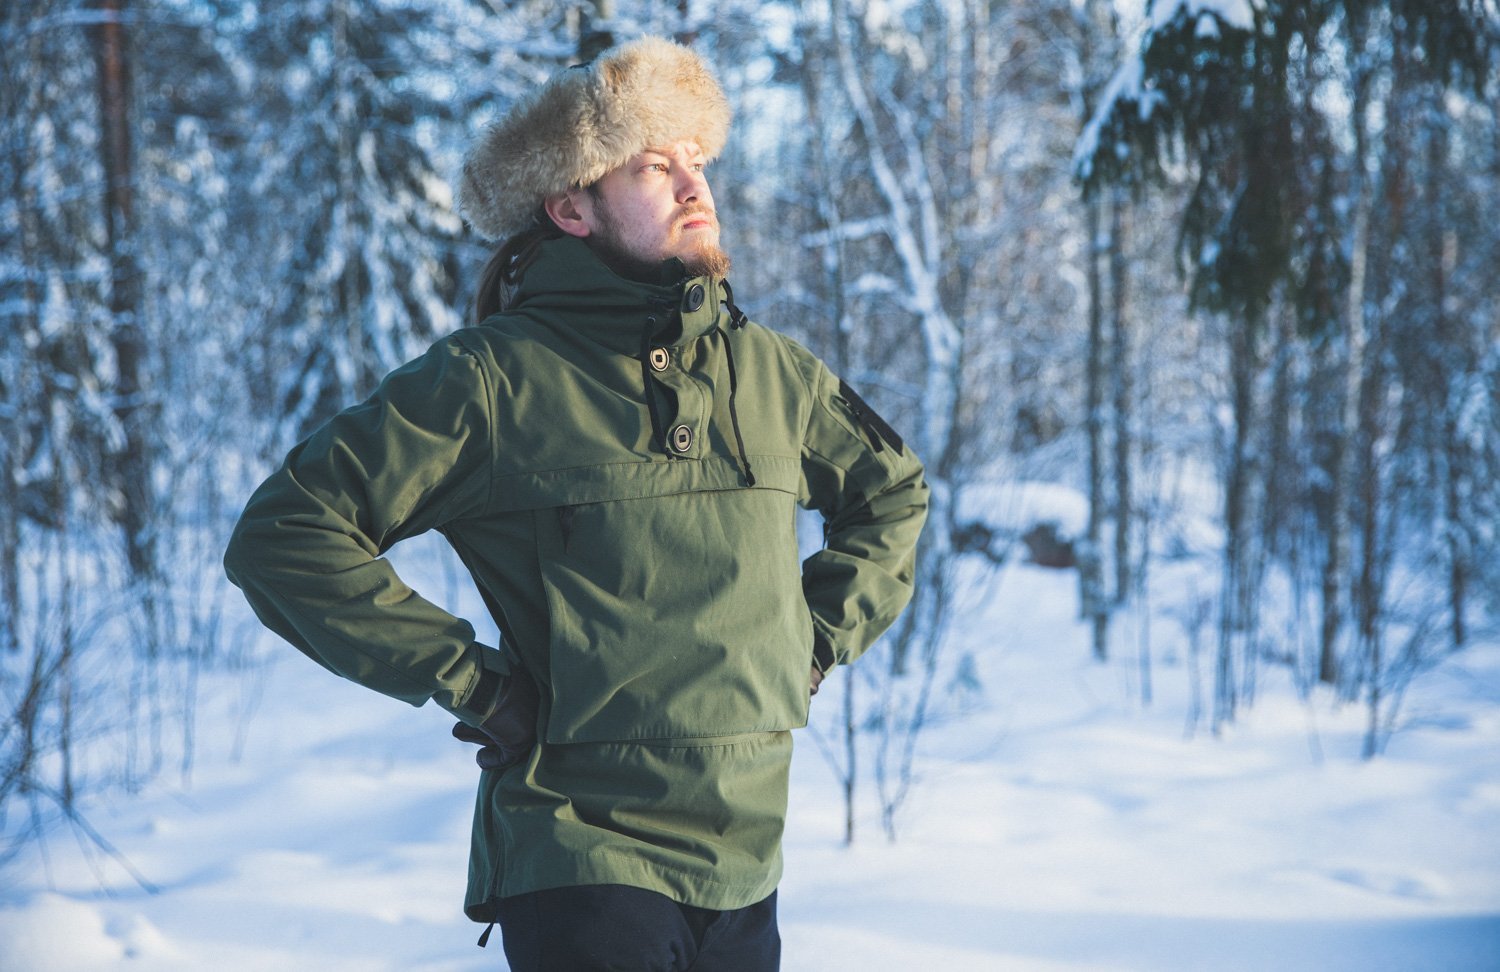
(307, 549)
(869, 487)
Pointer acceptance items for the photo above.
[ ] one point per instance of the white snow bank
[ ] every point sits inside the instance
(1013, 506)
(1061, 826)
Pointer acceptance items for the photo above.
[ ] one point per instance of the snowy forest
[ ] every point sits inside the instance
(1219, 269)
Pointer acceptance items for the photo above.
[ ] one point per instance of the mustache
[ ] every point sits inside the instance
(696, 209)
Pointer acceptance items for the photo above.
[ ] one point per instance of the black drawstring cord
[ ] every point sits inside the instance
(737, 318)
(734, 416)
(650, 384)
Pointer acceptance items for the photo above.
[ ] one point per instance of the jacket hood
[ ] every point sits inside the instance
(567, 281)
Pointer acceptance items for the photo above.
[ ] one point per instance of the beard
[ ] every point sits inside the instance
(702, 258)
(706, 260)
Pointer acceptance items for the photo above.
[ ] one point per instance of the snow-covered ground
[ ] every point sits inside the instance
(1061, 826)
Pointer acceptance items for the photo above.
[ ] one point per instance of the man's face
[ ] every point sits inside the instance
(655, 206)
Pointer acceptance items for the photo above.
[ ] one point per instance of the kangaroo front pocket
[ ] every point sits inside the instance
(675, 616)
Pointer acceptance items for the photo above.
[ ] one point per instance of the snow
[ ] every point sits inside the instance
(1016, 505)
(1061, 826)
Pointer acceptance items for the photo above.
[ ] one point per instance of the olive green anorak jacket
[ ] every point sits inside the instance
(618, 465)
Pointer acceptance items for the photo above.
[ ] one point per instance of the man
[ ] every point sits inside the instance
(615, 454)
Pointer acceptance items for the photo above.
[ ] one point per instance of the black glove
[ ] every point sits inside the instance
(822, 662)
(509, 734)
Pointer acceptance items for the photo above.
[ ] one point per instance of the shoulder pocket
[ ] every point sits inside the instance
(876, 428)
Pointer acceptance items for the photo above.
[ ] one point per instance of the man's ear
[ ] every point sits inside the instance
(569, 212)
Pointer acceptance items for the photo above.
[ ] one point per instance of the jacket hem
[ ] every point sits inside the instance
(603, 866)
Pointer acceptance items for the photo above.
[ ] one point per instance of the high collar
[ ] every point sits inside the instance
(568, 279)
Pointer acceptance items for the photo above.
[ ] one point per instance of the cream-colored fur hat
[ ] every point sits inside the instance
(584, 122)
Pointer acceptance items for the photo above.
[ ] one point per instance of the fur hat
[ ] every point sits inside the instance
(584, 122)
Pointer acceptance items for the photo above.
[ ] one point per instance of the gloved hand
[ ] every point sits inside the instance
(822, 661)
(509, 734)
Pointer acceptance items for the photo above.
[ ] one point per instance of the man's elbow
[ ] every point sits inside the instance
(237, 559)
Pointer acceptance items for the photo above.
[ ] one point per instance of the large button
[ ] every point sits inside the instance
(659, 359)
(693, 299)
(682, 438)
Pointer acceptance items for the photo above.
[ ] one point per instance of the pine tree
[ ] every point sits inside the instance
(360, 250)
(1281, 218)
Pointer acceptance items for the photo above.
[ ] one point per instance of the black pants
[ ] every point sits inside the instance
(613, 927)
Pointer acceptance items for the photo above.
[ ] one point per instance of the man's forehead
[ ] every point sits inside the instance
(687, 147)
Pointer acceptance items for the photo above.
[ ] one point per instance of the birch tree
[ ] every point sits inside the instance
(920, 203)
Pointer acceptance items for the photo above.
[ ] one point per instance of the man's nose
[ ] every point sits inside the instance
(692, 187)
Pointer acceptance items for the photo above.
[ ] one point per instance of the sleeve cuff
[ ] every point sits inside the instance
(488, 686)
(823, 654)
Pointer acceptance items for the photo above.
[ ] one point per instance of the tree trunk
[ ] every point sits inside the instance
(595, 28)
(1336, 559)
(1235, 600)
(1370, 589)
(1120, 384)
(1092, 600)
(1453, 463)
(132, 462)
(1457, 532)
(1336, 541)
(851, 756)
